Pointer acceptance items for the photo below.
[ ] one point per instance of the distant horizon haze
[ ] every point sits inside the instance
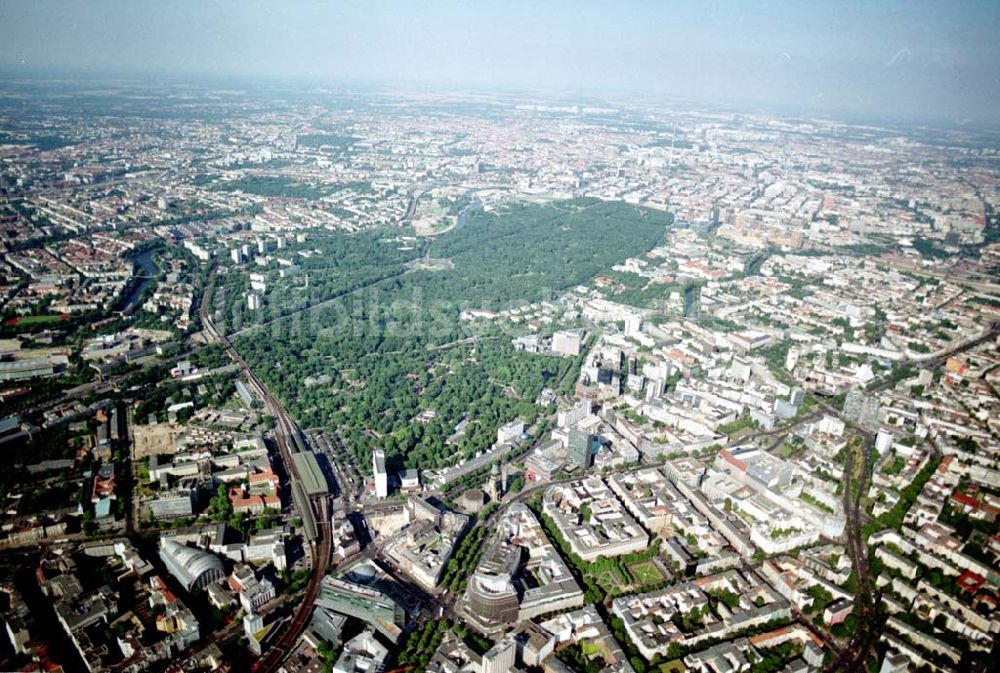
(932, 61)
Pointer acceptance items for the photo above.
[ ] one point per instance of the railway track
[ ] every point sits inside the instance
(286, 434)
(854, 656)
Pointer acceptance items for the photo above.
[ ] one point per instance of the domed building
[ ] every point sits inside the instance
(363, 574)
(194, 568)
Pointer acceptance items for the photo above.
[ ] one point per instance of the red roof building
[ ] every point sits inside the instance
(970, 581)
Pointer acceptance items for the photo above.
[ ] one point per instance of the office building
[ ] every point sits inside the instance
(174, 503)
(381, 476)
(364, 603)
(253, 627)
(567, 343)
(362, 654)
(580, 448)
(500, 657)
(861, 408)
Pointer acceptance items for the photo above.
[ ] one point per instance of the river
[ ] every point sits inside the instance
(464, 213)
(146, 268)
(691, 296)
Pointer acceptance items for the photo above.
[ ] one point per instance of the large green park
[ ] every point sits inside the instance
(379, 352)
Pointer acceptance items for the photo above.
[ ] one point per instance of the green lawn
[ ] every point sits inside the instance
(740, 425)
(39, 319)
(611, 580)
(645, 573)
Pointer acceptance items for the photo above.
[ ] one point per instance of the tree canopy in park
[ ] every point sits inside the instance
(398, 368)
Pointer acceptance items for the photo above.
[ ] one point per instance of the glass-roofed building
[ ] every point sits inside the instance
(194, 568)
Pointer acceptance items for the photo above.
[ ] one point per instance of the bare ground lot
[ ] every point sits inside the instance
(154, 439)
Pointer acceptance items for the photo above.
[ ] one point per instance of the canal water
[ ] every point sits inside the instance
(690, 301)
(147, 269)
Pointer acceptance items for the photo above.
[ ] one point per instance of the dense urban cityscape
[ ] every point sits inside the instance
(309, 380)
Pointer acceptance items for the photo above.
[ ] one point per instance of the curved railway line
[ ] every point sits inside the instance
(289, 441)
(855, 654)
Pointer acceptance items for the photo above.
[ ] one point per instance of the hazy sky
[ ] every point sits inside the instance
(905, 58)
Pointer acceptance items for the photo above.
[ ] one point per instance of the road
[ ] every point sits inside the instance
(934, 360)
(989, 288)
(128, 474)
(329, 301)
(411, 210)
(851, 658)
(854, 655)
(320, 549)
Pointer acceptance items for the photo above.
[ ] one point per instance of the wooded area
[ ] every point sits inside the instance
(397, 348)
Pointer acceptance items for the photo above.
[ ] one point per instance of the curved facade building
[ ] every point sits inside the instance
(194, 568)
(491, 601)
(520, 576)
